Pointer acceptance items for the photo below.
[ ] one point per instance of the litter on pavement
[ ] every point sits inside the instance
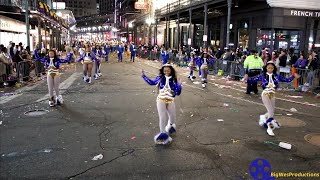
(220, 120)
(296, 97)
(0, 122)
(234, 109)
(225, 104)
(281, 144)
(293, 110)
(100, 156)
(235, 141)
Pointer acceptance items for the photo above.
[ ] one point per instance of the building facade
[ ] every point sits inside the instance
(254, 24)
(106, 6)
(82, 8)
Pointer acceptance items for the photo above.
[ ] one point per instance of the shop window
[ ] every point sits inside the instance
(263, 39)
(282, 39)
(243, 38)
(314, 38)
(286, 39)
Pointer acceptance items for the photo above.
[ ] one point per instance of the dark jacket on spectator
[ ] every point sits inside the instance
(301, 63)
(283, 61)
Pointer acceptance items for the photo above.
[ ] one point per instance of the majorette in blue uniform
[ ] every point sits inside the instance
(270, 82)
(52, 64)
(87, 61)
(169, 88)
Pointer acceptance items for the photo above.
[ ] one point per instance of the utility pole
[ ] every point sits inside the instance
(115, 16)
(27, 23)
(228, 23)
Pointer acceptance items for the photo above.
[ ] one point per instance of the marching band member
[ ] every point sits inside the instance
(132, 51)
(168, 87)
(107, 49)
(87, 60)
(270, 82)
(120, 50)
(52, 64)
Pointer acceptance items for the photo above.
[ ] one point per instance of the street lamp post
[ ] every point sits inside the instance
(228, 23)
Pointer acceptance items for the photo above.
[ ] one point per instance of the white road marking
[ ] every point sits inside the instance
(17, 93)
(64, 85)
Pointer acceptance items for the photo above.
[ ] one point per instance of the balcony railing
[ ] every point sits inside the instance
(19, 4)
(138, 17)
(94, 29)
(174, 7)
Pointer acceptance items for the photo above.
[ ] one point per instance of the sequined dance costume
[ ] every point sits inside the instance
(269, 83)
(192, 66)
(97, 64)
(53, 76)
(87, 61)
(203, 64)
(168, 89)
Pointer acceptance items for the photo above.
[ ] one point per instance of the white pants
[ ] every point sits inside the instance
(269, 104)
(53, 84)
(165, 111)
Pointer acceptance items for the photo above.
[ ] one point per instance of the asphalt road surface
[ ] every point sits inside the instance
(217, 130)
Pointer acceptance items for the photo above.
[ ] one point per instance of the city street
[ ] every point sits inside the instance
(217, 137)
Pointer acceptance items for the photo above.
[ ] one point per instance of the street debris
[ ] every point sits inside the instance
(293, 110)
(100, 156)
(0, 122)
(285, 145)
(281, 144)
(191, 115)
(296, 97)
(45, 150)
(225, 104)
(133, 138)
(220, 120)
(234, 109)
(235, 141)
(8, 94)
(196, 82)
(289, 114)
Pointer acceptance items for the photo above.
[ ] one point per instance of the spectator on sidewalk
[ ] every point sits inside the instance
(300, 65)
(293, 57)
(275, 59)
(5, 66)
(312, 66)
(315, 57)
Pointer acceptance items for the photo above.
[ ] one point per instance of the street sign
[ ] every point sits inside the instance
(189, 41)
(141, 5)
(205, 38)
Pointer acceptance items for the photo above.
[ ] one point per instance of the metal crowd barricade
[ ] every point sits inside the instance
(309, 80)
(237, 71)
(39, 68)
(23, 70)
